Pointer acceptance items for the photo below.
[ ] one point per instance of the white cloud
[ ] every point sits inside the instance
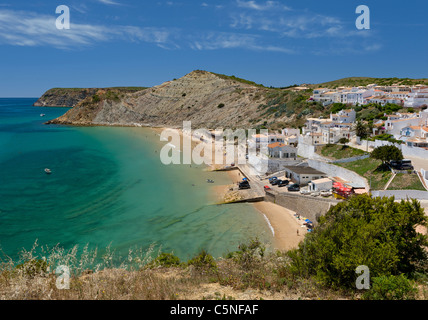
(109, 2)
(30, 29)
(225, 40)
(268, 5)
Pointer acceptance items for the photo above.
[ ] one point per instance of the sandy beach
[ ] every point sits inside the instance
(287, 229)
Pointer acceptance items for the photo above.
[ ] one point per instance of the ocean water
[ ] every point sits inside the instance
(107, 188)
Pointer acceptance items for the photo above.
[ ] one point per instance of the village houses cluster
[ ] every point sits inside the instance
(408, 96)
(411, 128)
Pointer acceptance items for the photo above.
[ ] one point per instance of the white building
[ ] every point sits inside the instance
(323, 184)
(417, 98)
(344, 116)
(282, 151)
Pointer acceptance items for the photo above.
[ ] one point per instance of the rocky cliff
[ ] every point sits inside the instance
(70, 97)
(61, 97)
(207, 99)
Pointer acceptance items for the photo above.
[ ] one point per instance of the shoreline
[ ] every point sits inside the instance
(287, 230)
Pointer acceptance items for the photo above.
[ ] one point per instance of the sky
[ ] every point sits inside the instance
(145, 43)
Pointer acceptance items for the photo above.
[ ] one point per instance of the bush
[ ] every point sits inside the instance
(391, 288)
(96, 98)
(248, 254)
(166, 260)
(221, 105)
(376, 232)
(32, 268)
(203, 261)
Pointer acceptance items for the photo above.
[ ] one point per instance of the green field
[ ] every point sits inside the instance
(403, 181)
(371, 169)
(337, 151)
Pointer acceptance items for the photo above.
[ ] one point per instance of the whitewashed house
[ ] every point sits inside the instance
(417, 97)
(281, 151)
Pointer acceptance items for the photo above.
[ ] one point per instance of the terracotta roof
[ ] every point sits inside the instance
(276, 145)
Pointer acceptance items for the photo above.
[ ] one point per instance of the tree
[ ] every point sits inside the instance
(343, 141)
(387, 153)
(375, 232)
(361, 130)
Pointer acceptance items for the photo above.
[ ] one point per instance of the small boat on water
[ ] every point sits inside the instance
(48, 171)
(42, 114)
(210, 181)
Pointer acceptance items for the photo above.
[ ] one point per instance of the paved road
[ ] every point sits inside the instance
(419, 163)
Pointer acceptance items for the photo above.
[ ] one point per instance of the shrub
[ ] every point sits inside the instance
(221, 105)
(376, 232)
(203, 261)
(249, 253)
(391, 288)
(166, 260)
(32, 268)
(96, 98)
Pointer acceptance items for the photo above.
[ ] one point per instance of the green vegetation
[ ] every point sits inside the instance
(233, 78)
(335, 151)
(403, 181)
(364, 81)
(121, 89)
(372, 169)
(387, 154)
(291, 104)
(392, 288)
(376, 232)
(221, 105)
(386, 137)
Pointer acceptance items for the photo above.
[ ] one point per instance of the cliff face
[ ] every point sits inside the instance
(201, 97)
(60, 97)
(207, 100)
(70, 97)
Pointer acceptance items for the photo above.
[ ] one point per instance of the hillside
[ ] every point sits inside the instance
(70, 97)
(208, 100)
(364, 81)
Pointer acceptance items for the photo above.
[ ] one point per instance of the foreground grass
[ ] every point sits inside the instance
(247, 274)
(404, 181)
(371, 169)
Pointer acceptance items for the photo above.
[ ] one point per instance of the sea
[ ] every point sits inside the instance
(108, 189)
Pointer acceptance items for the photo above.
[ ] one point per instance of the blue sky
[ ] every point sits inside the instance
(144, 43)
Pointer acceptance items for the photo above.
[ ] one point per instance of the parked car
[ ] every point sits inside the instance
(275, 182)
(404, 164)
(272, 179)
(315, 194)
(244, 185)
(267, 188)
(326, 193)
(305, 191)
(294, 187)
(283, 183)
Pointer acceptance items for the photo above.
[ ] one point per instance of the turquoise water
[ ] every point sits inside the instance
(107, 187)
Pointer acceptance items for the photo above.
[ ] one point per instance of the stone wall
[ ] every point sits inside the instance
(402, 194)
(336, 171)
(307, 206)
